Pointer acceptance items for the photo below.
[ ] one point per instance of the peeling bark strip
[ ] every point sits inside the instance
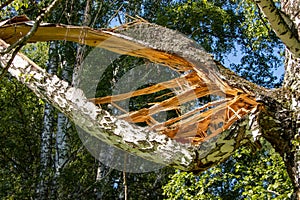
(140, 141)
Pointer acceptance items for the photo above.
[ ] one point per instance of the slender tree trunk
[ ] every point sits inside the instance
(61, 143)
(46, 137)
(61, 135)
(46, 146)
(125, 186)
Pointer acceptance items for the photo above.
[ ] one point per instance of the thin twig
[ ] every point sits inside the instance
(96, 16)
(6, 3)
(119, 18)
(273, 192)
(125, 185)
(114, 15)
(124, 177)
(262, 18)
(131, 17)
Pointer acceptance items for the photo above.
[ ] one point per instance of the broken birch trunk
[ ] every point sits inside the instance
(193, 141)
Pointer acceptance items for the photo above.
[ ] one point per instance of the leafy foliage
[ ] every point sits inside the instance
(261, 48)
(243, 176)
(227, 29)
(20, 128)
(204, 21)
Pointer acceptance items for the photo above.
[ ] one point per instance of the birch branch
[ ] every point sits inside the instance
(279, 25)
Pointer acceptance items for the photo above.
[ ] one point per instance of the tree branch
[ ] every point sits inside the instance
(100, 124)
(4, 71)
(96, 121)
(279, 25)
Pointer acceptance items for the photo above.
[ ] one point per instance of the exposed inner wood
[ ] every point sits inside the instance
(195, 126)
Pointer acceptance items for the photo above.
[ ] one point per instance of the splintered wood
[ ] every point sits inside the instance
(195, 126)
(199, 78)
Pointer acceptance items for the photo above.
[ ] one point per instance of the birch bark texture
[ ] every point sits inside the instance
(44, 189)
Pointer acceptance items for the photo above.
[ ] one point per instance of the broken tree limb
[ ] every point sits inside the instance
(163, 46)
(119, 133)
(215, 133)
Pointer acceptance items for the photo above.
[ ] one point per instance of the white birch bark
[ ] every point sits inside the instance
(47, 133)
(61, 147)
